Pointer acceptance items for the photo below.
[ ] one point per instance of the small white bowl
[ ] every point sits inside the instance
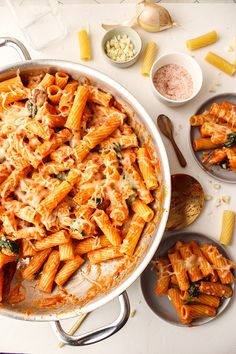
(189, 64)
(134, 37)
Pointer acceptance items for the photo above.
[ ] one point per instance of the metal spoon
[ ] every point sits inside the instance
(166, 127)
(187, 201)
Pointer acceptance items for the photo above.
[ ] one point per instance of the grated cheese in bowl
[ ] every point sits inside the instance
(120, 48)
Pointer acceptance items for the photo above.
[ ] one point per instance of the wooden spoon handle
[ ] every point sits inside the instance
(179, 154)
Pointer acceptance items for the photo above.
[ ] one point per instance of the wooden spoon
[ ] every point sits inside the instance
(187, 201)
(166, 127)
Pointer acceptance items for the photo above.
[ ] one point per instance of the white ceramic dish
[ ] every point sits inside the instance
(189, 64)
(161, 305)
(135, 38)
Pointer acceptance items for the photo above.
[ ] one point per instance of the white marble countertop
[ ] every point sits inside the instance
(145, 333)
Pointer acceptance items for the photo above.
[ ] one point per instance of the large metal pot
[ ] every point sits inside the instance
(151, 242)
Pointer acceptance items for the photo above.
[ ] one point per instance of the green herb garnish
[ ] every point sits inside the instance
(98, 200)
(118, 149)
(77, 229)
(62, 176)
(2, 159)
(231, 140)
(224, 165)
(193, 291)
(32, 108)
(131, 199)
(10, 245)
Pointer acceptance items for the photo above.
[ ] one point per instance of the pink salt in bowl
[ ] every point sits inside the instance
(176, 78)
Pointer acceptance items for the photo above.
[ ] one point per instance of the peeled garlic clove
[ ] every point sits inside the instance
(153, 18)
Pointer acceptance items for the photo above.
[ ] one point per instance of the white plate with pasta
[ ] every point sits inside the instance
(213, 137)
(184, 284)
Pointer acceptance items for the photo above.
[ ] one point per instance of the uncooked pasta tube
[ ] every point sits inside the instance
(220, 63)
(149, 57)
(84, 45)
(227, 227)
(202, 41)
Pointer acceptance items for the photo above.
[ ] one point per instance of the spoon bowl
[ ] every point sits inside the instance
(187, 201)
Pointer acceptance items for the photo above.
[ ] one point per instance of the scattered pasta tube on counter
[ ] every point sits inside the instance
(202, 41)
(220, 63)
(149, 57)
(84, 45)
(227, 227)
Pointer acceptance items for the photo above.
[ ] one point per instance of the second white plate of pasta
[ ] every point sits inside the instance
(213, 137)
(190, 280)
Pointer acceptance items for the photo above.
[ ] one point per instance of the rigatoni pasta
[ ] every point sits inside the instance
(71, 179)
(196, 279)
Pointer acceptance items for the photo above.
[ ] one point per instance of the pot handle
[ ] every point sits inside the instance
(16, 44)
(98, 334)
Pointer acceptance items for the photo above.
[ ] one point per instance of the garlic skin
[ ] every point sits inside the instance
(153, 17)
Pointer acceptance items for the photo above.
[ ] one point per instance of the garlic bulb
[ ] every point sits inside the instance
(153, 17)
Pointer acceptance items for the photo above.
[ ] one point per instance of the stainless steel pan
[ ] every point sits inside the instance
(116, 283)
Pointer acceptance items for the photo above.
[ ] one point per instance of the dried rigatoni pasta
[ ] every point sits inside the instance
(131, 239)
(68, 269)
(149, 57)
(84, 45)
(220, 63)
(227, 227)
(202, 41)
(49, 271)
